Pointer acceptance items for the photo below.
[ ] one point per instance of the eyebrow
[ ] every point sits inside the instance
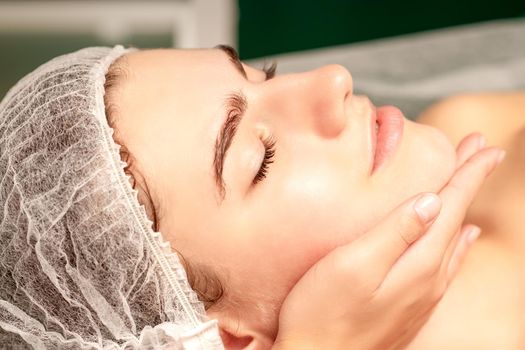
(236, 105)
(234, 58)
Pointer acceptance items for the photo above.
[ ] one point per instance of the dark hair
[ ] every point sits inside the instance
(202, 279)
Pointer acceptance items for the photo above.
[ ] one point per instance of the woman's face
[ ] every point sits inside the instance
(263, 233)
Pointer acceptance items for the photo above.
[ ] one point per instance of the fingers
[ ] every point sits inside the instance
(468, 147)
(388, 240)
(468, 235)
(470, 144)
(458, 194)
(387, 243)
(427, 257)
(451, 248)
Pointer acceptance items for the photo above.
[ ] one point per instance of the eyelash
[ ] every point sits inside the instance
(269, 70)
(269, 152)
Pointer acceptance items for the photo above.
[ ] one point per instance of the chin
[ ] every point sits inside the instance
(432, 155)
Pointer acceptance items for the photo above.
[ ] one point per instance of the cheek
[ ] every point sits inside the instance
(425, 162)
(312, 210)
(312, 214)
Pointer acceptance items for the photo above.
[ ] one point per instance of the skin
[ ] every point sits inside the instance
(483, 307)
(318, 193)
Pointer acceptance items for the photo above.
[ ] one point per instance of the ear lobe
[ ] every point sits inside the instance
(233, 342)
(237, 336)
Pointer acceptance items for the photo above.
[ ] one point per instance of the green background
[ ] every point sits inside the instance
(277, 26)
(21, 53)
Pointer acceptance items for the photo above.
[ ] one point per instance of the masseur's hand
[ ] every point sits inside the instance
(378, 291)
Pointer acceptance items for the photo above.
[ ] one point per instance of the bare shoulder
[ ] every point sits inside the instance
(498, 209)
(498, 115)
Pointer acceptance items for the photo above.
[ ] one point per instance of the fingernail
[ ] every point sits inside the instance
(501, 156)
(427, 207)
(473, 234)
(481, 142)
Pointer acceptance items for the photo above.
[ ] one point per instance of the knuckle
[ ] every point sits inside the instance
(429, 267)
(456, 187)
(440, 286)
(481, 164)
(428, 272)
(489, 166)
(411, 228)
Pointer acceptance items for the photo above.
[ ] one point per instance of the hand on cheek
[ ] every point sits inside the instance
(378, 291)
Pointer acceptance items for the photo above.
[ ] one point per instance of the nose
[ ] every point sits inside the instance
(314, 100)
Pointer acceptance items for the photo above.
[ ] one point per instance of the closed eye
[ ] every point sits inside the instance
(269, 153)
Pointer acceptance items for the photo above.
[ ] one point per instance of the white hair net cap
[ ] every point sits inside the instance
(80, 265)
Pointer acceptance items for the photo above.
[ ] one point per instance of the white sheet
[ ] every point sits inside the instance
(414, 70)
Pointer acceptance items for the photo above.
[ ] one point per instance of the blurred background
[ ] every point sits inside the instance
(32, 32)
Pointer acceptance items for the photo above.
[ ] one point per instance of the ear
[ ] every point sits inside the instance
(240, 334)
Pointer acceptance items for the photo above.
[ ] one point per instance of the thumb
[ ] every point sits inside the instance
(385, 243)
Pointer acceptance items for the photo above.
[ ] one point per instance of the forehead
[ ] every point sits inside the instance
(188, 65)
(182, 89)
(171, 105)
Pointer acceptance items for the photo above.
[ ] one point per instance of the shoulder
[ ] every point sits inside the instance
(498, 115)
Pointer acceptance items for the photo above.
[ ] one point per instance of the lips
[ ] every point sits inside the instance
(386, 140)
